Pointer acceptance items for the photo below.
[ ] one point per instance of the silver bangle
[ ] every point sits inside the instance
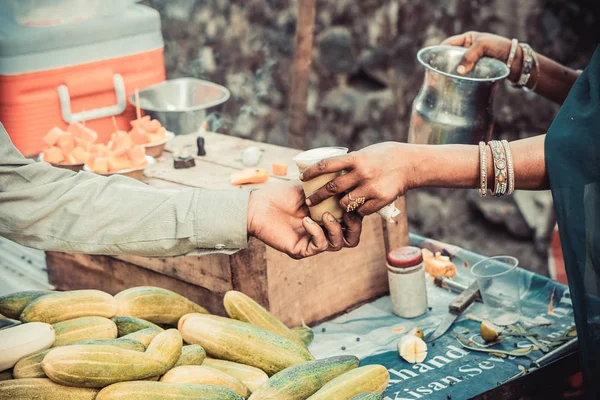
(513, 51)
(482, 169)
(536, 62)
(510, 168)
(527, 64)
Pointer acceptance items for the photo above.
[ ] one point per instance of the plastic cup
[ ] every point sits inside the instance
(498, 280)
(311, 157)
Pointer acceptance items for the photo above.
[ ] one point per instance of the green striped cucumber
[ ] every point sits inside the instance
(302, 380)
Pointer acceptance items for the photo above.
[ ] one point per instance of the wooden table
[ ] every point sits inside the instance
(313, 289)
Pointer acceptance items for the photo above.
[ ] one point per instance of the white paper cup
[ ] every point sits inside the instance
(311, 157)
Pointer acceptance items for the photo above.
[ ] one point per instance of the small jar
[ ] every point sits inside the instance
(406, 276)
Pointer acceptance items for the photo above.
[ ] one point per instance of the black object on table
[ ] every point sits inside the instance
(187, 162)
(200, 144)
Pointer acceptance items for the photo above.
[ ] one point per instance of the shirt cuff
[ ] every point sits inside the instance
(221, 219)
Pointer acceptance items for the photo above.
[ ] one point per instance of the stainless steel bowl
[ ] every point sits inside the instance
(181, 104)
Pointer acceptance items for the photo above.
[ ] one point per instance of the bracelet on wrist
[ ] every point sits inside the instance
(527, 65)
(514, 44)
(510, 168)
(500, 171)
(482, 169)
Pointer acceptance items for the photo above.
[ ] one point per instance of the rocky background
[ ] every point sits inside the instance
(364, 79)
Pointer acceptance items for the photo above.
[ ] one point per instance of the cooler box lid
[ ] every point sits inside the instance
(31, 49)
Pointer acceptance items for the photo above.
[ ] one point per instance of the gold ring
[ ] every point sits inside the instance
(355, 203)
(352, 206)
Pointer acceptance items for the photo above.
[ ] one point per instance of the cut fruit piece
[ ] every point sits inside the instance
(100, 165)
(66, 143)
(71, 159)
(137, 155)
(100, 150)
(279, 169)
(154, 138)
(120, 143)
(438, 265)
(136, 123)
(139, 136)
(65, 140)
(162, 132)
(412, 348)
(247, 176)
(489, 332)
(416, 332)
(80, 154)
(119, 162)
(67, 151)
(53, 155)
(52, 136)
(82, 132)
(151, 126)
(85, 145)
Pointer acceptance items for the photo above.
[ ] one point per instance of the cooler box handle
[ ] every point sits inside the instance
(68, 116)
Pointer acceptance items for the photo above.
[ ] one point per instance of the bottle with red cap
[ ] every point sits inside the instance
(406, 277)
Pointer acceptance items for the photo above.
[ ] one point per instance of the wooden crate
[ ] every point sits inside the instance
(312, 289)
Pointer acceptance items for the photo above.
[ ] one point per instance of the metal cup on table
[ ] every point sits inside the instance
(498, 281)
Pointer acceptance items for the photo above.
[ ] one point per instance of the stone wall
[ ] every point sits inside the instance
(364, 78)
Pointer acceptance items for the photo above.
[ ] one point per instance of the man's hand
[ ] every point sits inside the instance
(279, 217)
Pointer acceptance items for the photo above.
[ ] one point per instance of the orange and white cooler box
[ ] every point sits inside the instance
(86, 71)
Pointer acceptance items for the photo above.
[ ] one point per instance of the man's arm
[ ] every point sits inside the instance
(54, 209)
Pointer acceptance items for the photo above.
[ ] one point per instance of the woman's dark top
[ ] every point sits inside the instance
(573, 163)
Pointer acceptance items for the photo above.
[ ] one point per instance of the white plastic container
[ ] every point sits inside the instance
(406, 277)
(43, 13)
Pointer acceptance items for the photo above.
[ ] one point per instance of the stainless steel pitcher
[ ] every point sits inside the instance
(452, 108)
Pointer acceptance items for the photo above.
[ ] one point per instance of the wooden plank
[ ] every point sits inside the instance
(305, 29)
(79, 271)
(318, 287)
(209, 271)
(249, 272)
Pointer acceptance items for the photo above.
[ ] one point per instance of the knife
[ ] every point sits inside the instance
(456, 307)
(453, 286)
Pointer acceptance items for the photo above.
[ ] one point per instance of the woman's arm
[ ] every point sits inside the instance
(409, 166)
(553, 82)
(457, 166)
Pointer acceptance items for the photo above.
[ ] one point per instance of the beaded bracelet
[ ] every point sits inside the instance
(499, 160)
(482, 169)
(511, 170)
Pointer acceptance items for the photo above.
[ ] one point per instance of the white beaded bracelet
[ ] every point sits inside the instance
(482, 169)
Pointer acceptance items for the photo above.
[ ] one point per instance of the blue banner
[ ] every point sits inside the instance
(371, 332)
